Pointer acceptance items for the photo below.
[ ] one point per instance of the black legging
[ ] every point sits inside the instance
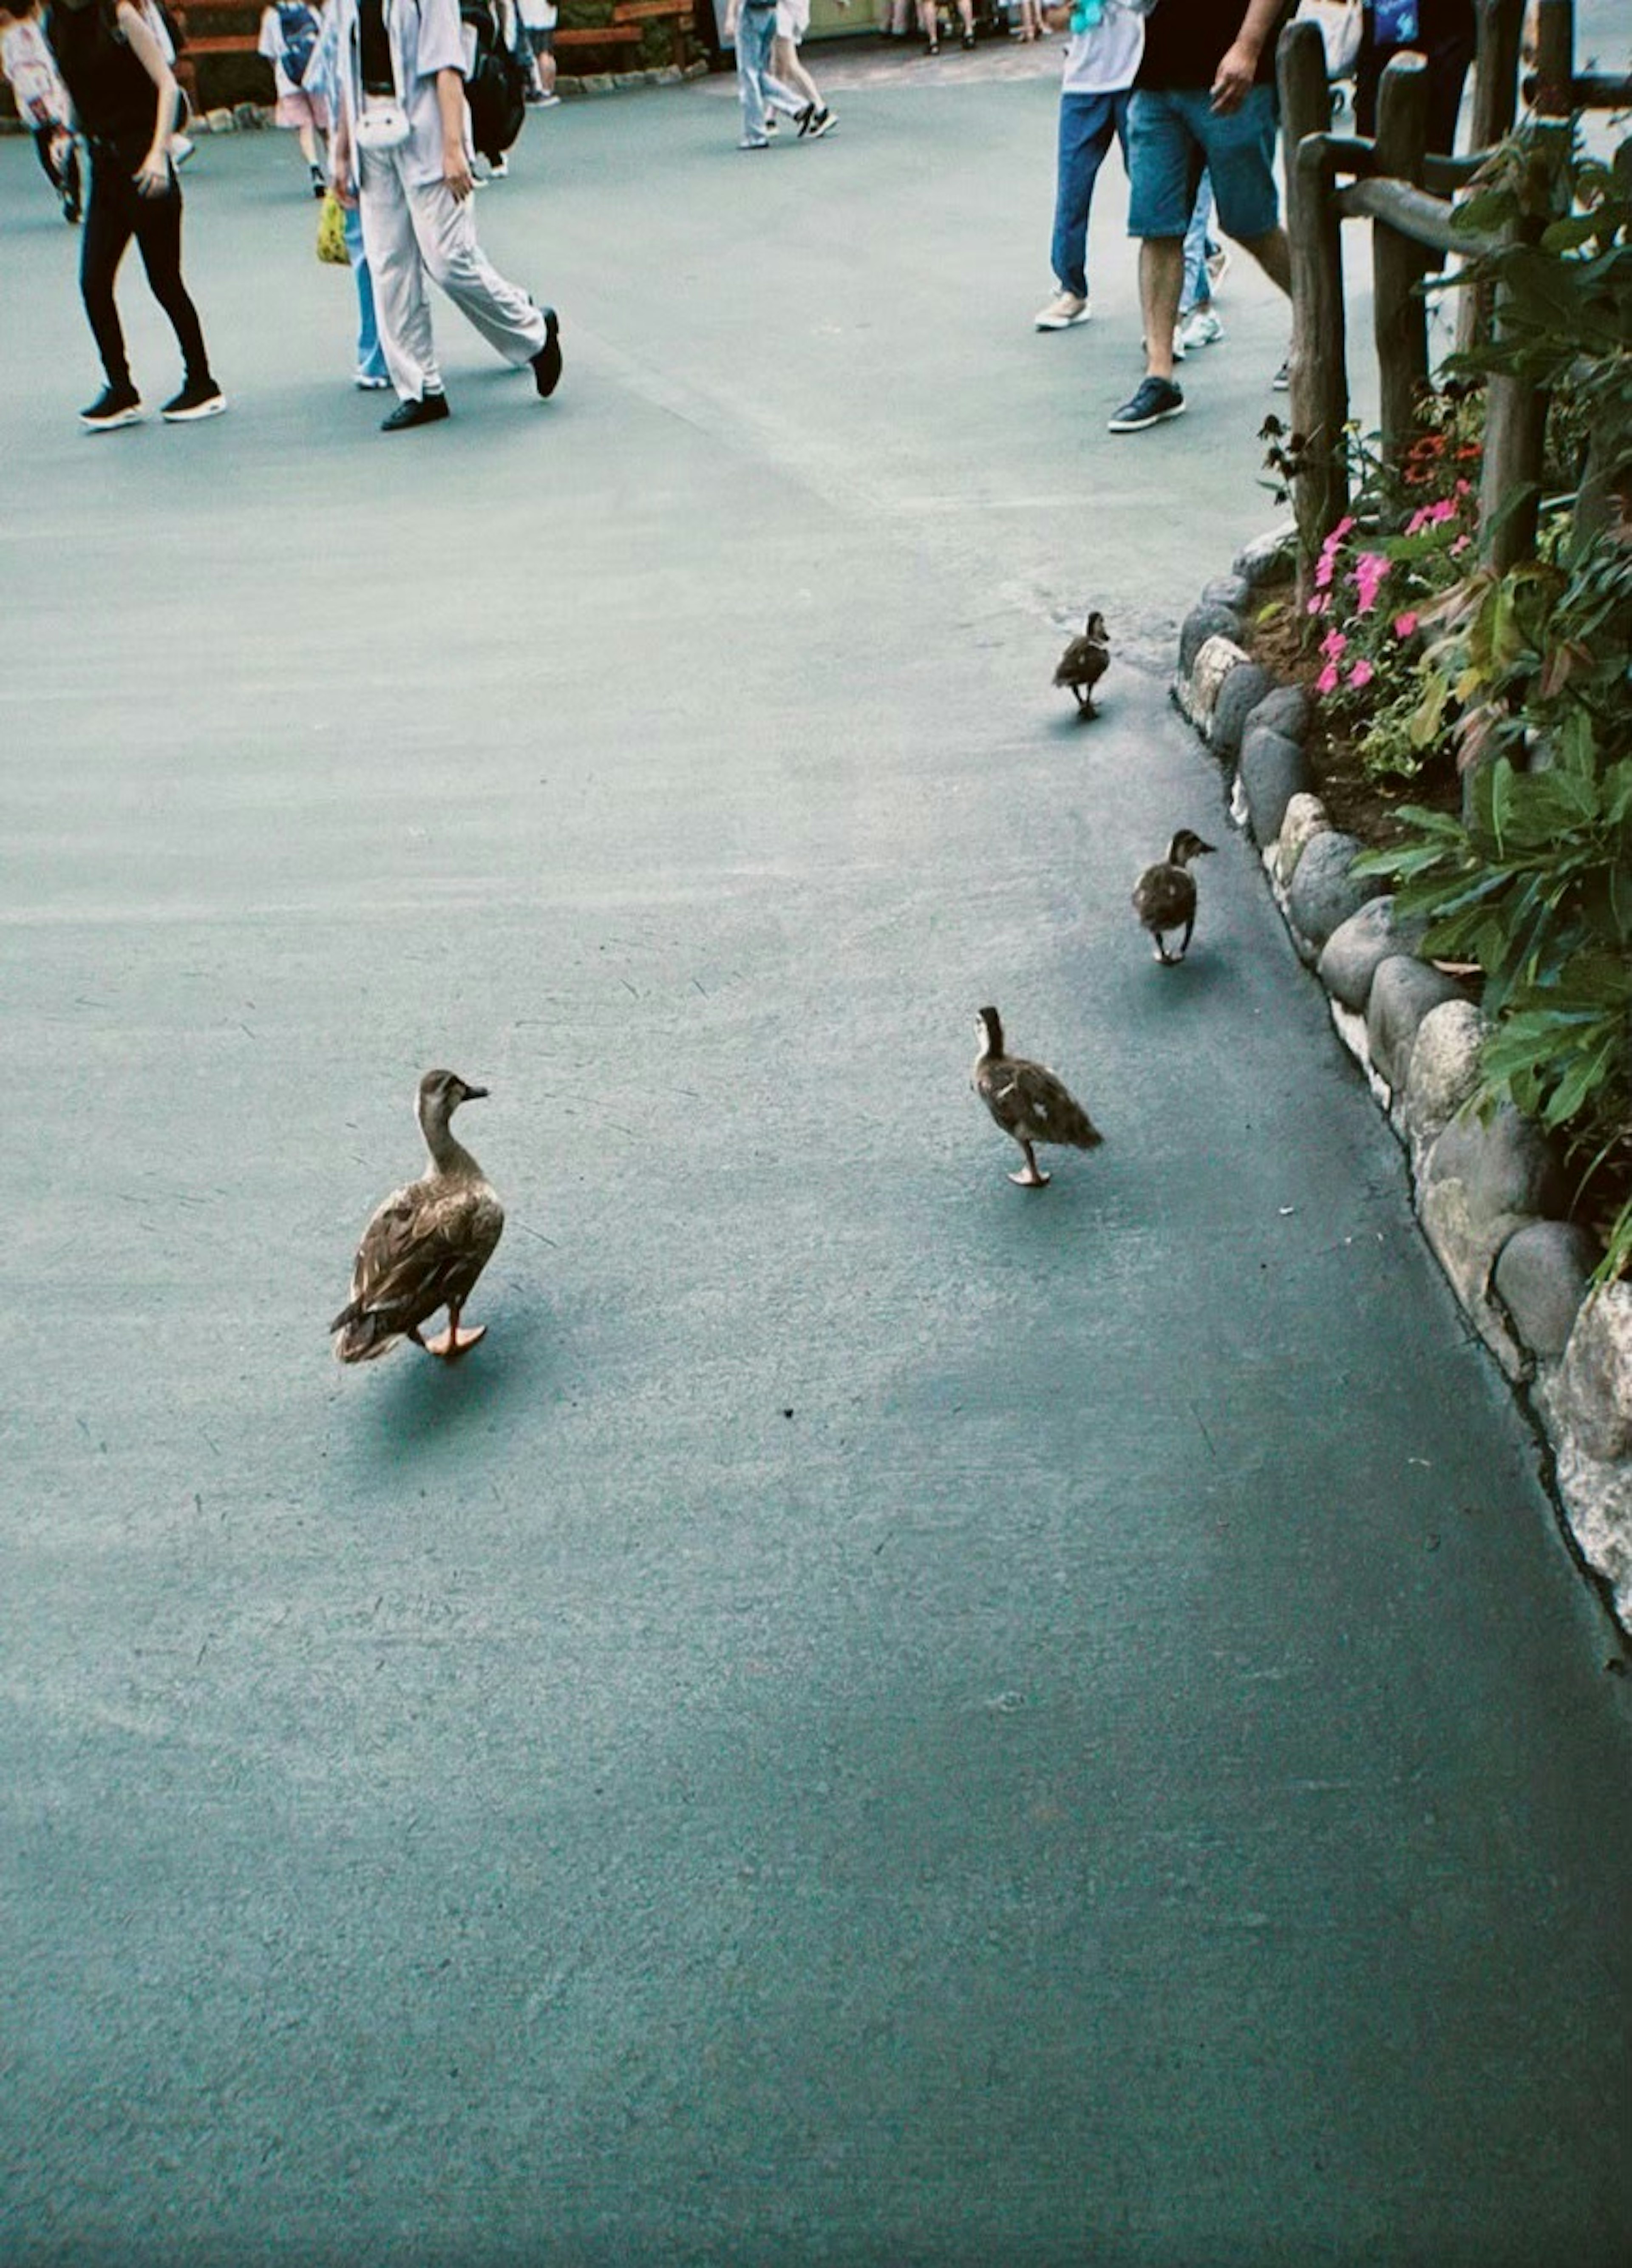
(1446, 40)
(118, 211)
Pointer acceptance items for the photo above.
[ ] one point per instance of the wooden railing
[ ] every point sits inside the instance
(1391, 179)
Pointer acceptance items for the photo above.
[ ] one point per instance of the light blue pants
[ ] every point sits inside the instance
(756, 28)
(370, 354)
(1198, 248)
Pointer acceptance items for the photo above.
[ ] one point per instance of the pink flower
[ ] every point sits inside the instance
(1404, 624)
(1360, 674)
(1320, 603)
(1333, 643)
(1438, 513)
(1460, 545)
(1465, 488)
(1326, 682)
(1418, 521)
(1342, 528)
(1323, 570)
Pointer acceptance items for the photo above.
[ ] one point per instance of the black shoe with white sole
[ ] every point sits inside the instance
(113, 407)
(547, 362)
(1157, 398)
(198, 398)
(430, 409)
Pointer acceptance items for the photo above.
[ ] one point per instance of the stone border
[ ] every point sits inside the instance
(1488, 1192)
(248, 117)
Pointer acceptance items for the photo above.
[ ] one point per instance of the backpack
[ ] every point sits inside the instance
(297, 28)
(495, 87)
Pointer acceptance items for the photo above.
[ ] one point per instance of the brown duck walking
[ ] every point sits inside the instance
(1084, 662)
(1163, 896)
(1029, 1104)
(425, 1246)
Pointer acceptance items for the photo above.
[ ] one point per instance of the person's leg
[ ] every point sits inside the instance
(108, 229)
(45, 150)
(1165, 169)
(159, 240)
(966, 9)
(1197, 290)
(1240, 162)
(445, 229)
(398, 278)
(929, 23)
(750, 62)
(786, 64)
(1087, 124)
(370, 354)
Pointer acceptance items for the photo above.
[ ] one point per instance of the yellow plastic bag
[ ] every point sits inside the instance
(331, 238)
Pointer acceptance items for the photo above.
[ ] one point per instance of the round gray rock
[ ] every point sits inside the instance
(1209, 620)
(1595, 1379)
(1352, 954)
(1285, 710)
(1324, 892)
(1542, 1276)
(1444, 1071)
(1273, 768)
(1232, 591)
(1502, 1163)
(1269, 558)
(1403, 992)
(1238, 697)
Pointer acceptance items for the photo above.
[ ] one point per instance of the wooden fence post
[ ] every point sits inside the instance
(1515, 410)
(1398, 264)
(1500, 25)
(1320, 388)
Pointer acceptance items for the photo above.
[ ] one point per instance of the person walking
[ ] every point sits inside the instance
(1101, 56)
(793, 20)
(290, 32)
(124, 96)
(1205, 98)
(30, 70)
(401, 153)
(1444, 33)
(752, 25)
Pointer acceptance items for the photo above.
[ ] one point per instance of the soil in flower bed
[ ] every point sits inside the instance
(1359, 802)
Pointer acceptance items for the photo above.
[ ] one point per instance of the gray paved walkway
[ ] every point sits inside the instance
(877, 1721)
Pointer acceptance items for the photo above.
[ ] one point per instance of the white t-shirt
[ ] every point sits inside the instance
(1107, 59)
(271, 46)
(27, 63)
(537, 15)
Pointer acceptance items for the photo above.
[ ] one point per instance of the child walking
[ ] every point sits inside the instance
(30, 69)
(290, 31)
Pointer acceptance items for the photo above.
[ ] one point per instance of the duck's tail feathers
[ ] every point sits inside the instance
(363, 1337)
(1079, 1130)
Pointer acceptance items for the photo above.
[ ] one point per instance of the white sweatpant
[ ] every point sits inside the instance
(411, 231)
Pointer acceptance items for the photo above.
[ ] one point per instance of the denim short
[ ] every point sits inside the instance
(1174, 133)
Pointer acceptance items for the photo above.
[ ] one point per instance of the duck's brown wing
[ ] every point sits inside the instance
(423, 1250)
(1032, 1105)
(1083, 662)
(1164, 897)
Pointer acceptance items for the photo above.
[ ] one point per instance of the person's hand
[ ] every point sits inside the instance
(456, 174)
(1232, 81)
(152, 175)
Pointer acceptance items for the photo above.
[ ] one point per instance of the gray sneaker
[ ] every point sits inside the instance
(1157, 398)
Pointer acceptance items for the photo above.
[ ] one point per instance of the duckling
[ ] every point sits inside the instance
(1028, 1103)
(1163, 896)
(1084, 662)
(425, 1246)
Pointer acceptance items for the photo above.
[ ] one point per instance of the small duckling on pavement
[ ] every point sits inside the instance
(1163, 896)
(1029, 1104)
(1084, 662)
(425, 1246)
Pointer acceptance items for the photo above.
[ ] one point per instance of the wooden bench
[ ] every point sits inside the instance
(629, 18)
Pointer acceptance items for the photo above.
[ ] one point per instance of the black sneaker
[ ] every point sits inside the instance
(431, 410)
(823, 123)
(200, 397)
(114, 406)
(1157, 398)
(1282, 379)
(547, 362)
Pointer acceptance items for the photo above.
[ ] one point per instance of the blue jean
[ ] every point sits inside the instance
(1198, 248)
(370, 354)
(1088, 124)
(756, 28)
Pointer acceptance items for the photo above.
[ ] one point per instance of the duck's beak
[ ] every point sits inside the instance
(475, 1094)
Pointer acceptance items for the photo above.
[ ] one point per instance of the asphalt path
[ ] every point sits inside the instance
(878, 1718)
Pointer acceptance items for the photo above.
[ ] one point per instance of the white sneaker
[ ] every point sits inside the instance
(1064, 309)
(1201, 327)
